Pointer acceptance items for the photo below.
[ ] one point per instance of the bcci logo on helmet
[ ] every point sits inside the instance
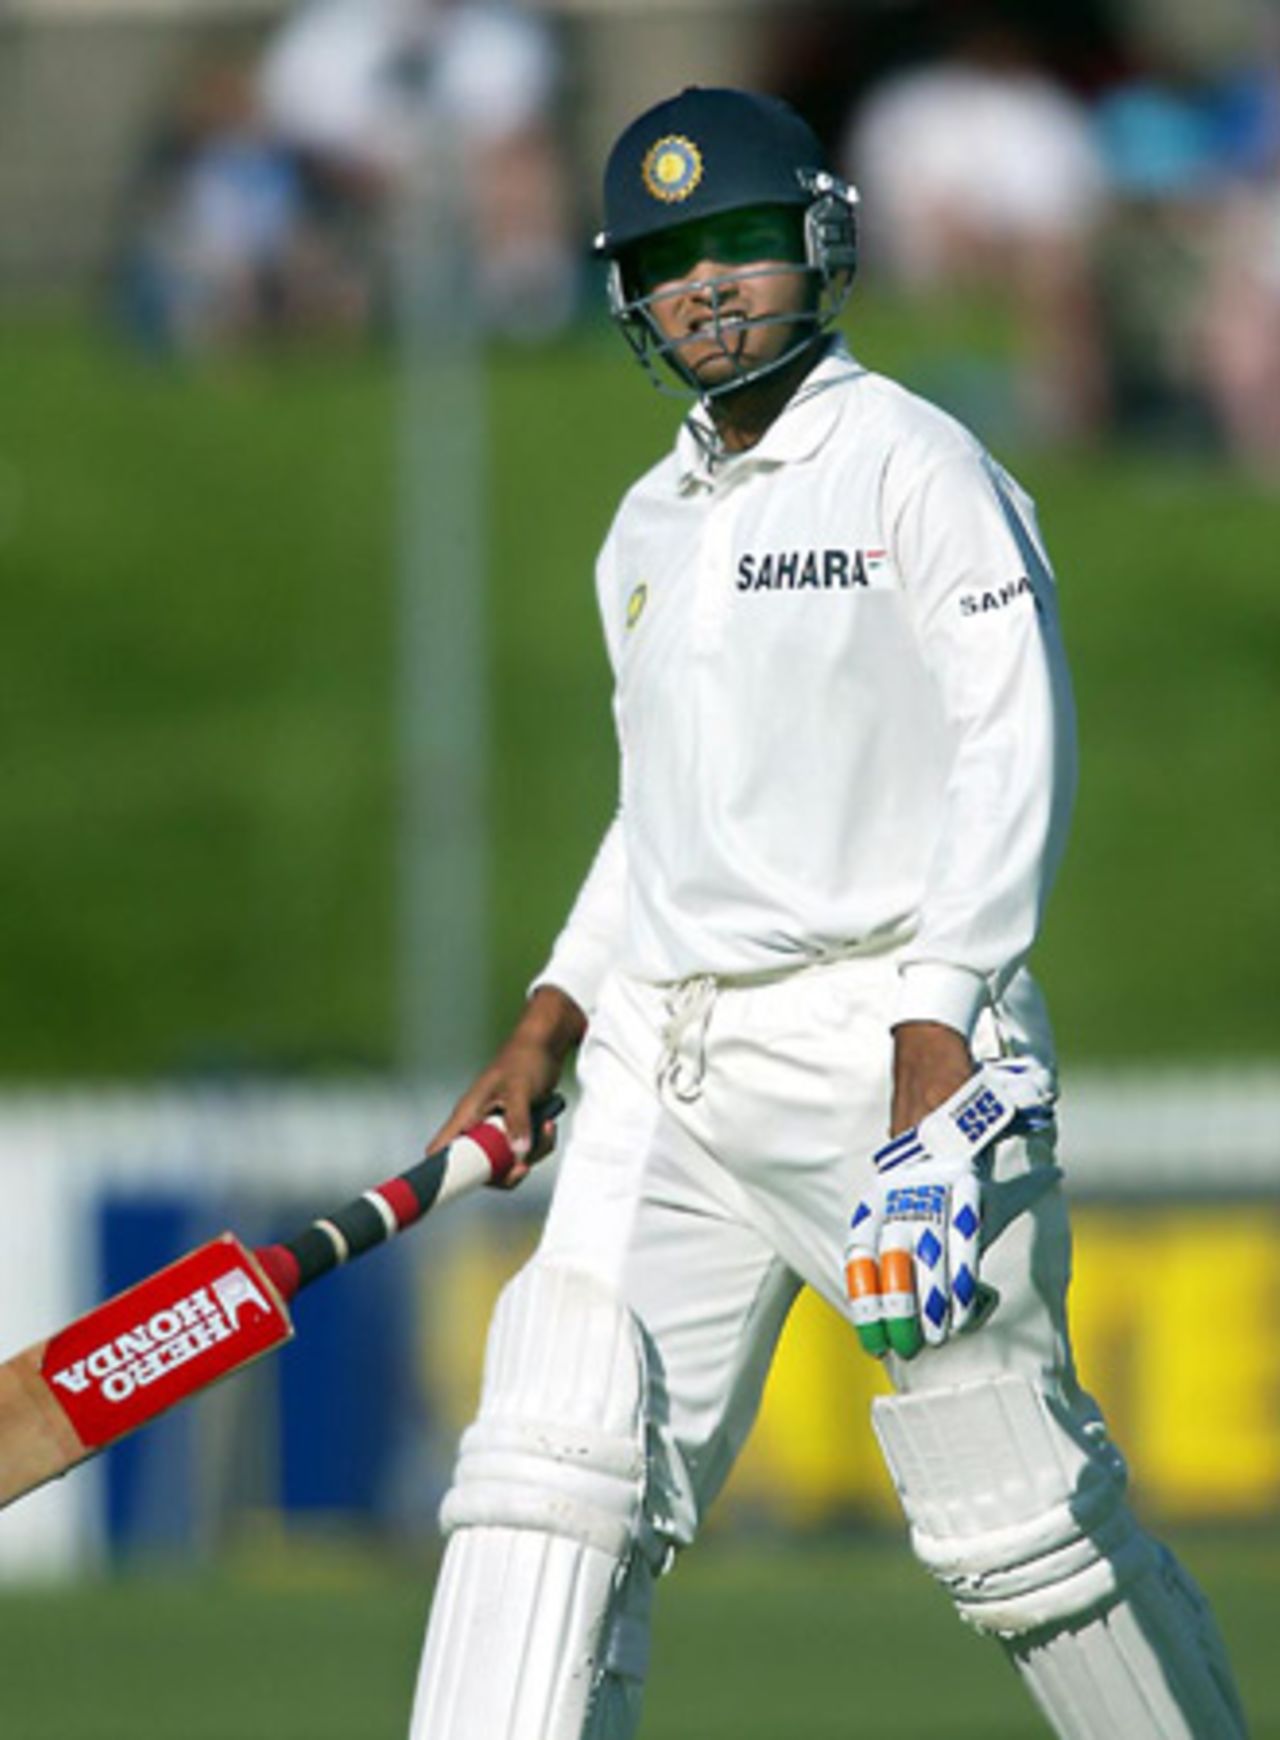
(672, 168)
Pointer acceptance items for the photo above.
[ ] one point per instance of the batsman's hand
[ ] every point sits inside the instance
(913, 1256)
(525, 1071)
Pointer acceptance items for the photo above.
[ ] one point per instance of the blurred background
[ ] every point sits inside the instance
(311, 422)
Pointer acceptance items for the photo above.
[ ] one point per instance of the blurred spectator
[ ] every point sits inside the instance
(214, 248)
(1166, 177)
(1240, 328)
(351, 86)
(979, 169)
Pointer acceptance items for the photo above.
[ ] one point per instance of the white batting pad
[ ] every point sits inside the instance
(1022, 1519)
(539, 1626)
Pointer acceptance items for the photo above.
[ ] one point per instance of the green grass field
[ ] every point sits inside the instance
(819, 1643)
(197, 804)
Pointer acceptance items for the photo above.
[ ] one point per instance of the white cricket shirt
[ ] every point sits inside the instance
(842, 706)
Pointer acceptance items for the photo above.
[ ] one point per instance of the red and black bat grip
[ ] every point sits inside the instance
(364, 1223)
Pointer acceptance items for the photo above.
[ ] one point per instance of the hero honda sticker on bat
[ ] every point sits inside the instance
(135, 1356)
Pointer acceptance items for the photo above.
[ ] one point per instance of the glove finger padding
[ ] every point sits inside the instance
(899, 1301)
(862, 1279)
(923, 1210)
(965, 1226)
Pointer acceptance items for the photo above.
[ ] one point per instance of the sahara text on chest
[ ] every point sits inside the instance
(822, 570)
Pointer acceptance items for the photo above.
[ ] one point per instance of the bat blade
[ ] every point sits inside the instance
(134, 1357)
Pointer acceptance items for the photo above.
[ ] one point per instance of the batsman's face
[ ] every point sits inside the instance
(725, 293)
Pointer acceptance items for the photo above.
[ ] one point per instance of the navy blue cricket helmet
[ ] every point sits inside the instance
(706, 153)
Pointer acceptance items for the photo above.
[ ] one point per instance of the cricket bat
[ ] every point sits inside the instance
(209, 1314)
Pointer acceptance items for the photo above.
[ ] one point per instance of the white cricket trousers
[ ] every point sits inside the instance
(708, 1202)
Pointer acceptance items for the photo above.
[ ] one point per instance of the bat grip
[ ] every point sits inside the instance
(480, 1155)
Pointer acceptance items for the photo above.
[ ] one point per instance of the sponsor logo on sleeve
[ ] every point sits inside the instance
(996, 598)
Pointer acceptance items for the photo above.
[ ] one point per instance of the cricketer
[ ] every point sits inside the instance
(809, 1050)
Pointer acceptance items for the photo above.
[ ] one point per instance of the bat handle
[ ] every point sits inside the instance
(480, 1155)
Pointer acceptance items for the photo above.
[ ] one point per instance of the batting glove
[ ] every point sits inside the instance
(912, 1260)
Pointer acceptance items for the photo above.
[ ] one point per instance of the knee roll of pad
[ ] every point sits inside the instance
(559, 1443)
(1019, 1514)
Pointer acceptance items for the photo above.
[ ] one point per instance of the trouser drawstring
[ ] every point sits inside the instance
(683, 1060)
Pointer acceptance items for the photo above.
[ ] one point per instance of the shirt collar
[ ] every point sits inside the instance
(799, 430)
